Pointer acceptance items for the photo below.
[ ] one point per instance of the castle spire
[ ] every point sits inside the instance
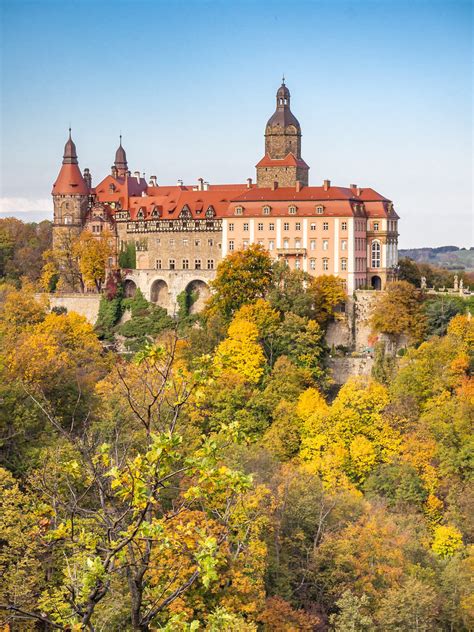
(70, 154)
(120, 163)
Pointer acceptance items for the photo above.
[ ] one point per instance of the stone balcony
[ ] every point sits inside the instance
(296, 252)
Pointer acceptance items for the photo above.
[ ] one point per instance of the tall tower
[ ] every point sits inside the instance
(120, 167)
(70, 197)
(282, 162)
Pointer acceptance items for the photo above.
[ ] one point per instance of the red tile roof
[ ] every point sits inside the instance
(70, 181)
(289, 161)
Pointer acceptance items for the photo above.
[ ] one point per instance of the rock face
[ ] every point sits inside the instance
(344, 368)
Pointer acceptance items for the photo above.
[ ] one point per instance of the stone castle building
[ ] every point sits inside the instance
(181, 232)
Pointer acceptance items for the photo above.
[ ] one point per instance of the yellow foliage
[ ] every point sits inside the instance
(240, 352)
(261, 314)
(447, 540)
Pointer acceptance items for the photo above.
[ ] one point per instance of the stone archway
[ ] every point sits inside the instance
(198, 293)
(376, 282)
(159, 293)
(130, 287)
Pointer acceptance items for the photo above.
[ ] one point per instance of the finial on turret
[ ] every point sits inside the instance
(283, 80)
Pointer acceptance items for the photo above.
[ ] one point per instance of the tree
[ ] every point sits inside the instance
(242, 277)
(354, 614)
(240, 352)
(412, 607)
(328, 294)
(440, 311)
(21, 248)
(116, 512)
(398, 311)
(93, 254)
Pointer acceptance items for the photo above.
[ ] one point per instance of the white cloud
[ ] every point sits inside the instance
(18, 205)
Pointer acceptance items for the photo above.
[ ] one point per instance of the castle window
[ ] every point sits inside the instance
(344, 244)
(239, 210)
(344, 226)
(185, 264)
(197, 264)
(185, 242)
(197, 242)
(155, 213)
(320, 210)
(297, 264)
(271, 226)
(260, 226)
(111, 188)
(325, 265)
(172, 264)
(292, 210)
(210, 212)
(312, 226)
(297, 243)
(210, 242)
(325, 226)
(185, 213)
(158, 264)
(246, 226)
(171, 242)
(266, 210)
(286, 243)
(271, 244)
(68, 219)
(231, 227)
(312, 264)
(312, 244)
(376, 251)
(298, 226)
(325, 244)
(376, 226)
(140, 214)
(210, 264)
(343, 264)
(286, 226)
(245, 244)
(231, 245)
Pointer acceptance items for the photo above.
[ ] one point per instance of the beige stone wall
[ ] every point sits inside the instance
(279, 143)
(344, 368)
(86, 305)
(194, 249)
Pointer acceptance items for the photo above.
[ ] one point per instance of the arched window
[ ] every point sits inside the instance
(376, 250)
(292, 210)
(210, 213)
(266, 210)
(185, 212)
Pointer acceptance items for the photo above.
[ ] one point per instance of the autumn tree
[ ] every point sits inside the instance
(398, 311)
(93, 254)
(242, 277)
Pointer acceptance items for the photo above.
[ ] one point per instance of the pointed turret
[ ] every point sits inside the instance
(282, 162)
(120, 165)
(70, 195)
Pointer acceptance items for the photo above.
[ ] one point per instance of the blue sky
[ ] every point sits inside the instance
(383, 92)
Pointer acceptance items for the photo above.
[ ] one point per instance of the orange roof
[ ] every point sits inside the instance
(289, 161)
(70, 181)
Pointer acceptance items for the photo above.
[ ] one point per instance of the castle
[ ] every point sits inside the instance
(181, 232)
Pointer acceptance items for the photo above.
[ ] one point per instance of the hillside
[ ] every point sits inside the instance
(449, 257)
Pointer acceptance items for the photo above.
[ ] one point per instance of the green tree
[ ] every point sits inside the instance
(354, 614)
(242, 277)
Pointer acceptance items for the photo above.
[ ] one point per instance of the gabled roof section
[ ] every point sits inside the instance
(289, 161)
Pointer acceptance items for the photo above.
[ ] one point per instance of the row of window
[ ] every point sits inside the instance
(185, 264)
(185, 242)
(266, 210)
(287, 244)
(286, 226)
(360, 243)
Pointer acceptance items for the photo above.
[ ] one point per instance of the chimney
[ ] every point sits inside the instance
(153, 181)
(206, 186)
(249, 183)
(298, 186)
(88, 178)
(353, 186)
(201, 184)
(359, 191)
(137, 176)
(327, 185)
(275, 185)
(180, 183)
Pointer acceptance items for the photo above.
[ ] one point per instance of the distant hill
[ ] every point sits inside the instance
(449, 257)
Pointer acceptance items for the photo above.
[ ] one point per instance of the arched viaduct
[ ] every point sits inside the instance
(163, 286)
